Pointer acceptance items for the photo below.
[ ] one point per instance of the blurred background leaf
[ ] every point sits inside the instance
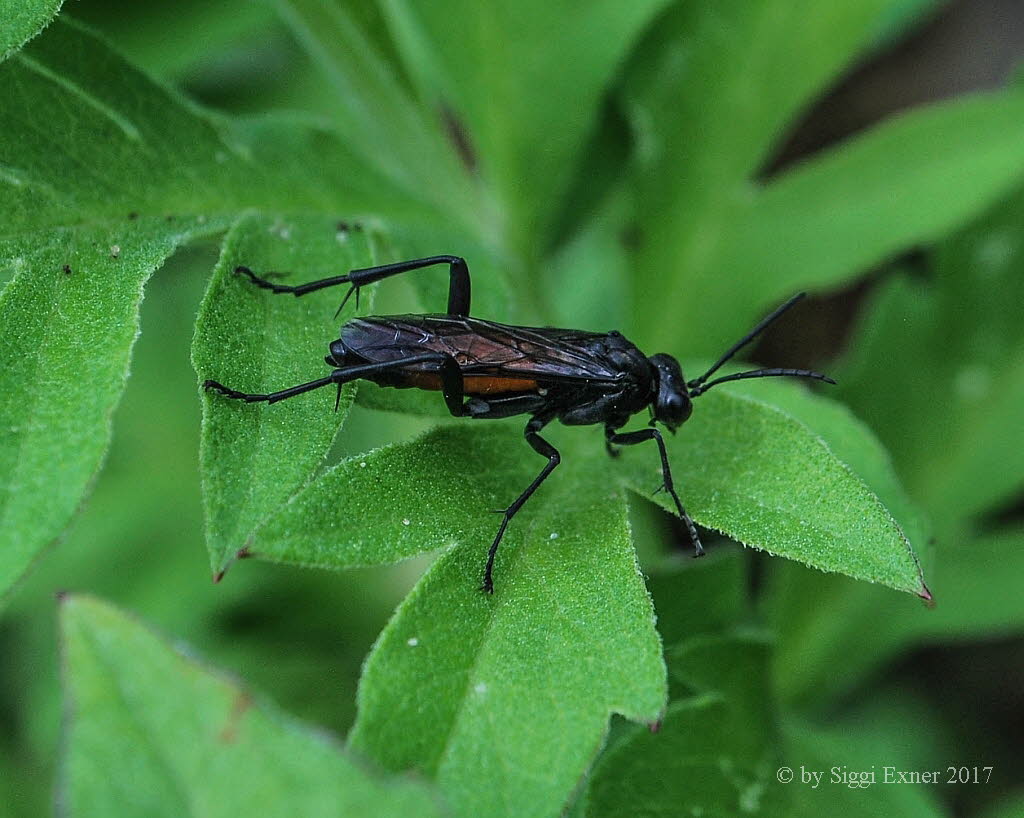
(153, 732)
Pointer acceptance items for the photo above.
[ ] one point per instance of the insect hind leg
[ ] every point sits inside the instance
(458, 288)
(338, 376)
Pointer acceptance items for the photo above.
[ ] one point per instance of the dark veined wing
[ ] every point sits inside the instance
(486, 347)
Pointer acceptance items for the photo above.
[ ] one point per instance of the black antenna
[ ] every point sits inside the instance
(696, 383)
(760, 373)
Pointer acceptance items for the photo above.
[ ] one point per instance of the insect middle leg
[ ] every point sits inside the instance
(614, 438)
(458, 287)
(542, 447)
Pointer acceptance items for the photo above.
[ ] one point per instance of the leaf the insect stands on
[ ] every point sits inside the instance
(255, 457)
(765, 479)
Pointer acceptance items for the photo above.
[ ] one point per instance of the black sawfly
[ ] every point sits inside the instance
(489, 370)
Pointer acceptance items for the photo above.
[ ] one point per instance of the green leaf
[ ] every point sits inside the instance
(405, 499)
(733, 664)
(854, 752)
(713, 752)
(514, 690)
(526, 107)
(23, 20)
(1006, 807)
(765, 479)
(955, 435)
(228, 31)
(375, 114)
(907, 181)
(731, 78)
(693, 596)
(69, 319)
(710, 92)
(850, 440)
(752, 472)
(686, 765)
(900, 18)
(956, 432)
(151, 172)
(253, 457)
(855, 628)
(185, 740)
(719, 752)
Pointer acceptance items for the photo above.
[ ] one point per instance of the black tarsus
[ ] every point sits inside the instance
(271, 397)
(543, 448)
(458, 288)
(615, 438)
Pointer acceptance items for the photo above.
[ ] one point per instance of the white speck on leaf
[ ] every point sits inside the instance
(412, 642)
(406, 521)
(554, 535)
(115, 250)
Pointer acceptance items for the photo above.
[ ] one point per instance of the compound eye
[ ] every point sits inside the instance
(338, 350)
(675, 409)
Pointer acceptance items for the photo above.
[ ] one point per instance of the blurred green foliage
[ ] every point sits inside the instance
(600, 165)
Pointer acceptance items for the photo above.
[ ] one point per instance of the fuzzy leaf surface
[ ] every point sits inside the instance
(513, 691)
(23, 20)
(254, 456)
(763, 477)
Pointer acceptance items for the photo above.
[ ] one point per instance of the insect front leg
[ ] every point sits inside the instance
(543, 448)
(632, 438)
(458, 287)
